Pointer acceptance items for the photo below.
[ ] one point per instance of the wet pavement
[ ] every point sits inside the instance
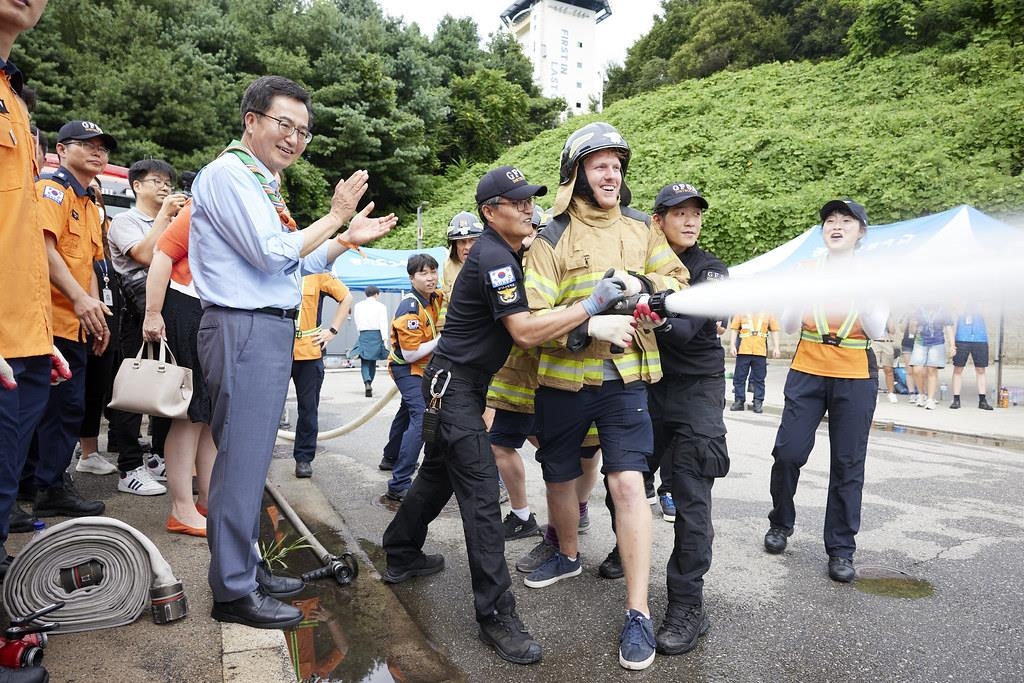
(941, 547)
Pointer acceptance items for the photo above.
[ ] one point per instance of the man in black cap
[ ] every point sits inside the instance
(74, 239)
(458, 455)
(686, 411)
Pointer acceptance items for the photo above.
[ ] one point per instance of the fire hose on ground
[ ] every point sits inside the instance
(354, 424)
(343, 568)
(104, 571)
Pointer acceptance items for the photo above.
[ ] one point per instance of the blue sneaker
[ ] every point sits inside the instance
(668, 507)
(636, 644)
(557, 567)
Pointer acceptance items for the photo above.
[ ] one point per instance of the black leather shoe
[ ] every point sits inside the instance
(277, 586)
(757, 407)
(611, 568)
(257, 610)
(368, 389)
(775, 540)
(841, 569)
(736, 406)
(425, 565)
(983, 404)
(64, 501)
(386, 465)
(19, 521)
(303, 470)
(955, 403)
(397, 496)
(681, 627)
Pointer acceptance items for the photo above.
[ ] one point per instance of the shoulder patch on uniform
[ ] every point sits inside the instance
(54, 194)
(412, 324)
(508, 294)
(502, 277)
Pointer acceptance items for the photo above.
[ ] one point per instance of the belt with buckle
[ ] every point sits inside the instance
(290, 313)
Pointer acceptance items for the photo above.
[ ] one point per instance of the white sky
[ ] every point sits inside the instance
(630, 19)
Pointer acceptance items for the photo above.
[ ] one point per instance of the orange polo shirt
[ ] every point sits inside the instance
(69, 215)
(313, 286)
(824, 360)
(25, 327)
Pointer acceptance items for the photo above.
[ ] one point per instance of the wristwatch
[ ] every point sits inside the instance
(332, 331)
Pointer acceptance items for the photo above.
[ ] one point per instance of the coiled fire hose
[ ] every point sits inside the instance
(105, 571)
(346, 428)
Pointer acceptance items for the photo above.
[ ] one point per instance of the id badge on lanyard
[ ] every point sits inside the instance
(106, 294)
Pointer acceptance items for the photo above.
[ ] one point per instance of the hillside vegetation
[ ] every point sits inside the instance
(906, 135)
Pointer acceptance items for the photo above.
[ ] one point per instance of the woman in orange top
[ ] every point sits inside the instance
(834, 372)
(173, 313)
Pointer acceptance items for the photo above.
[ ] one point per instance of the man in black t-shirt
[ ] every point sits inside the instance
(487, 314)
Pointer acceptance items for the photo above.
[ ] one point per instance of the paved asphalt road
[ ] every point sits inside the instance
(947, 513)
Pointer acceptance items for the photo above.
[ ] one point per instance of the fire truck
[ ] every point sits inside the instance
(117, 192)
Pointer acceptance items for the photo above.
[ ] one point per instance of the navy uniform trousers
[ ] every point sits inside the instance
(308, 376)
(850, 404)
(689, 441)
(459, 462)
(246, 357)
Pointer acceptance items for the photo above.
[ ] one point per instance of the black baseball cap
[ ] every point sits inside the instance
(677, 193)
(85, 130)
(506, 181)
(847, 206)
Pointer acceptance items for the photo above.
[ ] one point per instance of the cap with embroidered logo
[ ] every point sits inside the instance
(675, 194)
(507, 181)
(85, 130)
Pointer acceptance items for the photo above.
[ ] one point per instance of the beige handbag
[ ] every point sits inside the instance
(153, 386)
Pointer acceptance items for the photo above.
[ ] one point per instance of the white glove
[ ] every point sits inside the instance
(632, 282)
(614, 329)
(7, 375)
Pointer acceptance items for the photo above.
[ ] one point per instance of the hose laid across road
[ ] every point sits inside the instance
(119, 570)
(354, 424)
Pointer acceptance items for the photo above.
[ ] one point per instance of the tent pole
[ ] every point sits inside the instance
(999, 353)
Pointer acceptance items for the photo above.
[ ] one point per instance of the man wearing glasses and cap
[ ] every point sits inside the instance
(74, 239)
(488, 313)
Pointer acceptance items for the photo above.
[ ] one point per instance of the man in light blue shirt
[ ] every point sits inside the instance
(247, 262)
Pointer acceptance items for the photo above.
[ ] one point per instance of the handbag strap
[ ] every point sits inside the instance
(165, 351)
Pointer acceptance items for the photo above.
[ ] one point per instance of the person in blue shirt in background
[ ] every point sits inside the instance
(971, 339)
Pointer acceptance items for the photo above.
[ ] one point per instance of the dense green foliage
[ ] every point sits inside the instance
(165, 77)
(906, 135)
(695, 38)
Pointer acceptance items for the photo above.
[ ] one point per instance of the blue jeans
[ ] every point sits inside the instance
(409, 439)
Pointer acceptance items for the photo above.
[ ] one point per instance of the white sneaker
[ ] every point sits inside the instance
(155, 465)
(140, 482)
(929, 404)
(921, 400)
(892, 398)
(913, 399)
(95, 464)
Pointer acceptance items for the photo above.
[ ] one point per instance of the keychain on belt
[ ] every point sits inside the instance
(432, 414)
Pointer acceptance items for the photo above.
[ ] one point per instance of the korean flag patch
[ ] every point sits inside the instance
(53, 194)
(502, 277)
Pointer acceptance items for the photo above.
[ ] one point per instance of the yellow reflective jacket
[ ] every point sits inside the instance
(565, 262)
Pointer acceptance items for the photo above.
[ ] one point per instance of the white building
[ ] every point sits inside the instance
(560, 39)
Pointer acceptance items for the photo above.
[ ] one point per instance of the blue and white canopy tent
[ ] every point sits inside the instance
(943, 238)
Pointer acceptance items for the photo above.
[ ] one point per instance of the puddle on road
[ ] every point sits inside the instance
(891, 583)
(348, 633)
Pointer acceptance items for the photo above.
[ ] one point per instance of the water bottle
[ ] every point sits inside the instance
(38, 527)
(942, 392)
